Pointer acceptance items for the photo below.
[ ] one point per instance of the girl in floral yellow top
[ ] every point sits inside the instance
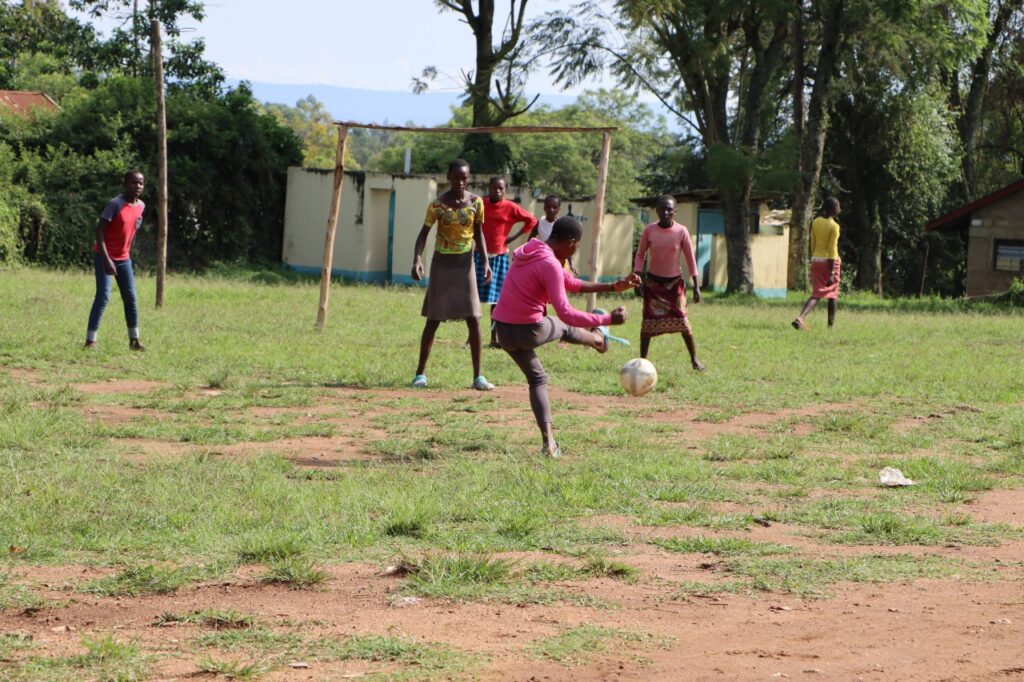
(451, 289)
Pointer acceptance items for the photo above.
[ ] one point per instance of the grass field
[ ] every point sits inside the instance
(282, 504)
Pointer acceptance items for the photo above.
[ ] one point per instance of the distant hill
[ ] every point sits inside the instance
(376, 106)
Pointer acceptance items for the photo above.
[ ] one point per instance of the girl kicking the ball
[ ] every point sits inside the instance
(665, 289)
(537, 277)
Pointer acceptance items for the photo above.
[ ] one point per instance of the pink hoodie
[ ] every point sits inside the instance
(535, 279)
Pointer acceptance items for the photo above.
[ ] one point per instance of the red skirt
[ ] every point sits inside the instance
(664, 306)
(819, 279)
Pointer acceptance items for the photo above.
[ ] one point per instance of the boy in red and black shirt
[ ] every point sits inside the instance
(115, 232)
(500, 215)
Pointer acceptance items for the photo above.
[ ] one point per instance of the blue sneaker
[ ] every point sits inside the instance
(482, 384)
(419, 381)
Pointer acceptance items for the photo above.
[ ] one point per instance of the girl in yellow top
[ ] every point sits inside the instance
(451, 290)
(825, 263)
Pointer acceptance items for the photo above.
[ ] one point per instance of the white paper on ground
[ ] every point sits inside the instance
(893, 478)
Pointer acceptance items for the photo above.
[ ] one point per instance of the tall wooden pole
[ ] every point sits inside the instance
(161, 155)
(595, 247)
(332, 225)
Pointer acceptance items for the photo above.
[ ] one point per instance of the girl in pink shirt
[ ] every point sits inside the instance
(537, 277)
(664, 289)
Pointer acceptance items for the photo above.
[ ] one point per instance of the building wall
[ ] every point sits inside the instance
(1001, 220)
(361, 239)
(364, 246)
(769, 254)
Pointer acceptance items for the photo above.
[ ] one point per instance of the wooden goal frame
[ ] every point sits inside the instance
(339, 181)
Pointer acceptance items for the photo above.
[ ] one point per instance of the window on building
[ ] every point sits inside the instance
(1009, 256)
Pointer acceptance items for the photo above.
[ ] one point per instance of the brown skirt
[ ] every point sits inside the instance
(451, 289)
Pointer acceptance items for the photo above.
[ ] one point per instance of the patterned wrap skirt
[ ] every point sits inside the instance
(489, 293)
(664, 306)
(819, 278)
(451, 289)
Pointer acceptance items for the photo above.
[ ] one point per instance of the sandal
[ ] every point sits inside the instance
(546, 451)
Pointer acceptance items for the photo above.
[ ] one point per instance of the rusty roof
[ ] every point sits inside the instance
(23, 103)
(961, 217)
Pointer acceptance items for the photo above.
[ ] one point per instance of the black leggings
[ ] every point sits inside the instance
(520, 340)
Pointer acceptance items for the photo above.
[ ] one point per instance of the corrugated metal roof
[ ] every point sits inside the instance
(23, 103)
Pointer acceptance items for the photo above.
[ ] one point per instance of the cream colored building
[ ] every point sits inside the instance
(381, 216)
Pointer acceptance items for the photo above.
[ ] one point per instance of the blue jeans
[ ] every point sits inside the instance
(125, 284)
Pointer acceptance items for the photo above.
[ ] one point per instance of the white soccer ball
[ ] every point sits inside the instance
(638, 377)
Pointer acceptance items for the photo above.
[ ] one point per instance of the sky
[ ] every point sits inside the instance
(376, 45)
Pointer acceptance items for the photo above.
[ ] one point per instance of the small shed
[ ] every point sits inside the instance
(381, 215)
(701, 211)
(22, 103)
(995, 238)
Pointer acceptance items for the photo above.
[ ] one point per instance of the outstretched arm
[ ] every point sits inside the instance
(627, 282)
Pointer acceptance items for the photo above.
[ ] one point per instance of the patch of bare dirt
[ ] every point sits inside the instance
(112, 386)
(928, 629)
(999, 506)
(114, 415)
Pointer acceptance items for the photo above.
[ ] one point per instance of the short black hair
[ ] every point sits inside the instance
(831, 205)
(458, 163)
(495, 178)
(128, 174)
(567, 227)
(555, 197)
(663, 198)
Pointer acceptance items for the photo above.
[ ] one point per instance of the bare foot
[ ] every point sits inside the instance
(698, 365)
(135, 344)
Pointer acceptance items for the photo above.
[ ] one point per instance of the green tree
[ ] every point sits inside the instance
(557, 163)
(494, 87)
(902, 42)
(716, 64)
(310, 120)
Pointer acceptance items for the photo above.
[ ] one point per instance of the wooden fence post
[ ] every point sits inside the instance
(332, 225)
(595, 247)
(161, 155)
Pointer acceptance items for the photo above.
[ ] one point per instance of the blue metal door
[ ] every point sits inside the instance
(710, 221)
(391, 231)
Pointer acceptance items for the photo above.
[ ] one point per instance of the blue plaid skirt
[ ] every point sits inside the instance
(489, 293)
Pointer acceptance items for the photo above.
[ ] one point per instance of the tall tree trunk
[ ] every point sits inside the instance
(736, 199)
(740, 265)
(812, 145)
(483, 74)
(969, 120)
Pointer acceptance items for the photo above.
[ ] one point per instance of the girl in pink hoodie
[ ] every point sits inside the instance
(536, 278)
